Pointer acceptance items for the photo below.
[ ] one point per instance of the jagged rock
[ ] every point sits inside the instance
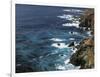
(87, 20)
(84, 56)
(71, 44)
(89, 42)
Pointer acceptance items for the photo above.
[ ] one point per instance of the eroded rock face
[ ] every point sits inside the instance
(84, 56)
(87, 20)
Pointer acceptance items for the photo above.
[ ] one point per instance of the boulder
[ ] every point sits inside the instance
(71, 44)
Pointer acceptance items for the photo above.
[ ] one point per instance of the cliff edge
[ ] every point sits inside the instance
(84, 56)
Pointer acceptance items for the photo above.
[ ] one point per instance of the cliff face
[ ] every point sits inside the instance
(84, 56)
(87, 20)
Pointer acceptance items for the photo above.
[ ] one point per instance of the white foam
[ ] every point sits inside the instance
(67, 17)
(76, 21)
(57, 39)
(61, 67)
(84, 28)
(89, 33)
(73, 10)
(41, 57)
(74, 50)
(71, 38)
(62, 45)
(68, 66)
(78, 67)
(67, 10)
(67, 61)
(89, 29)
(71, 67)
(76, 24)
(76, 43)
(74, 33)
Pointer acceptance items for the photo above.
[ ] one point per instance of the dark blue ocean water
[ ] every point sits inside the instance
(39, 30)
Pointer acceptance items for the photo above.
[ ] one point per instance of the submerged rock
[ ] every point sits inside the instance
(58, 44)
(71, 44)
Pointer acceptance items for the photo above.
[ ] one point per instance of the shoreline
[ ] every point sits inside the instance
(84, 55)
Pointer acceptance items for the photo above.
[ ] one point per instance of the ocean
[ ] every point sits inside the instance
(43, 34)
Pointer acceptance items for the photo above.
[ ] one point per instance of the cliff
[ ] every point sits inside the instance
(84, 56)
(87, 20)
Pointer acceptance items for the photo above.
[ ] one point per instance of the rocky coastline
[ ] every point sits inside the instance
(84, 56)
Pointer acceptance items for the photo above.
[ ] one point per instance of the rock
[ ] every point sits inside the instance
(84, 56)
(87, 20)
(89, 59)
(87, 42)
(71, 44)
(58, 44)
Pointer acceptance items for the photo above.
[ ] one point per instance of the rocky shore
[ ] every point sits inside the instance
(84, 56)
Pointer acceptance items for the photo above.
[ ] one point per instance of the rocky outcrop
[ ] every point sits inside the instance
(84, 56)
(71, 44)
(87, 20)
